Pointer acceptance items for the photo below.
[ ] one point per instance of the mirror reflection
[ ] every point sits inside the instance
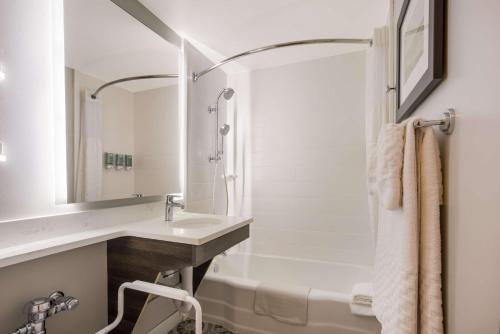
(122, 135)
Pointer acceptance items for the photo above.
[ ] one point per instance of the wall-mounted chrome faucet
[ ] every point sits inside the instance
(39, 309)
(170, 204)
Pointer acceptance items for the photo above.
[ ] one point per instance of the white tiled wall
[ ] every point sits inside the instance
(308, 162)
(201, 129)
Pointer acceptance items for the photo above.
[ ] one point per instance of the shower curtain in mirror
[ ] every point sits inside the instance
(379, 108)
(89, 161)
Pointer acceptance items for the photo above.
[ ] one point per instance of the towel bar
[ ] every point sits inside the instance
(446, 124)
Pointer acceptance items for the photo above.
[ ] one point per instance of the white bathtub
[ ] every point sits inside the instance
(227, 294)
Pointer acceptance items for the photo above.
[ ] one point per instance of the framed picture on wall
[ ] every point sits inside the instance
(420, 53)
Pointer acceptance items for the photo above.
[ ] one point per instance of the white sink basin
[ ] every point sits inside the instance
(195, 223)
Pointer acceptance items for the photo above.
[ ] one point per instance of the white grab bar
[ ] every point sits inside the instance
(158, 290)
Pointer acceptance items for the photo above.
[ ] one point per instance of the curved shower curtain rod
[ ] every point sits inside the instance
(196, 76)
(140, 77)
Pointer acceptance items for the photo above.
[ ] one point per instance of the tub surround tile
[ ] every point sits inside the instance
(308, 160)
(312, 245)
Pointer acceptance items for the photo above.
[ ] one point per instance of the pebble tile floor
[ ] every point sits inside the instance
(187, 327)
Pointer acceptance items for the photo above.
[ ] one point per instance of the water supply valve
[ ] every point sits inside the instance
(39, 309)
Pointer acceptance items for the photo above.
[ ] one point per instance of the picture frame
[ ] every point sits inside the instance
(420, 53)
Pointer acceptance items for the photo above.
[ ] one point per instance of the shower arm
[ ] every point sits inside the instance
(197, 75)
(140, 77)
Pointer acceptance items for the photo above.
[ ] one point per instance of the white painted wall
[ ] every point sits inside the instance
(81, 273)
(231, 27)
(308, 161)
(156, 133)
(471, 165)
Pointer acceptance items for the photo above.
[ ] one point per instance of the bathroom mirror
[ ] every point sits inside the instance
(122, 138)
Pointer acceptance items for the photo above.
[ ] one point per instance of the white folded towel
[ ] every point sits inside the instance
(285, 303)
(390, 165)
(361, 299)
(395, 283)
(362, 293)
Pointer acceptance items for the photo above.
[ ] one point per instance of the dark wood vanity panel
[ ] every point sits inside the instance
(131, 258)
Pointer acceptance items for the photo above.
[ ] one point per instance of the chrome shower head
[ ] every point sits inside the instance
(228, 93)
(224, 130)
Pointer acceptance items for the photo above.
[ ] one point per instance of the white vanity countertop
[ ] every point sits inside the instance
(187, 228)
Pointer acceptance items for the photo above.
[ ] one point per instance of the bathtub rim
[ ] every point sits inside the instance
(315, 293)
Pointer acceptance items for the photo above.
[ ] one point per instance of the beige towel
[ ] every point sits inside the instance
(361, 299)
(431, 196)
(407, 283)
(285, 303)
(390, 165)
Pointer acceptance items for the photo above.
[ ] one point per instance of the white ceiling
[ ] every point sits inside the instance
(233, 26)
(105, 42)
